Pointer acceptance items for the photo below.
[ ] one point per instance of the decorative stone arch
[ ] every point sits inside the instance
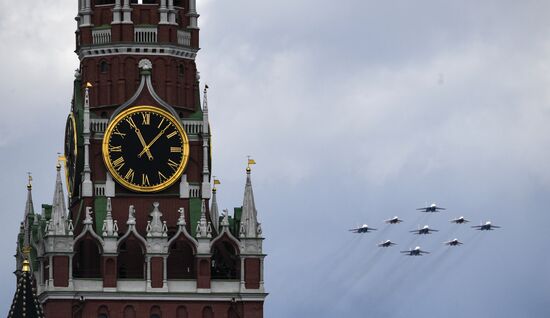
(129, 312)
(103, 312)
(87, 247)
(226, 262)
(87, 256)
(131, 255)
(181, 312)
(155, 312)
(182, 251)
(207, 312)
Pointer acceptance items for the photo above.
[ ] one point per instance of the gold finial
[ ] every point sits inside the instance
(26, 266)
(250, 162)
(60, 158)
(29, 185)
(216, 182)
(88, 85)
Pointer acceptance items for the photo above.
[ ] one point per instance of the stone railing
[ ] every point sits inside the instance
(98, 125)
(194, 191)
(99, 189)
(184, 38)
(102, 36)
(192, 127)
(145, 34)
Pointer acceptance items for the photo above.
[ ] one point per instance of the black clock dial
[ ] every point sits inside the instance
(145, 149)
(70, 153)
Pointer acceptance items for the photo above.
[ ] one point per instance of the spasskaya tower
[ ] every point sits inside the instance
(139, 233)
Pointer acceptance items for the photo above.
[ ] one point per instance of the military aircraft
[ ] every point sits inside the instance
(393, 220)
(363, 229)
(454, 242)
(425, 230)
(431, 208)
(486, 227)
(415, 252)
(460, 220)
(386, 243)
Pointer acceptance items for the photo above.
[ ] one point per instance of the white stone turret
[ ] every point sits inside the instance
(58, 220)
(109, 225)
(155, 227)
(204, 228)
(205, 189)
(87, 186)
(214, 214)
(250, 228)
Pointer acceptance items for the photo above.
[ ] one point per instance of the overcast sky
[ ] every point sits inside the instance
(355, 111)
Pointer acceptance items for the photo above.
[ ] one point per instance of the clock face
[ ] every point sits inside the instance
(70, 153)
(145, 149)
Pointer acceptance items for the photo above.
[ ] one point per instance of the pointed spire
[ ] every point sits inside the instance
(59, 210)
(29, 210)
(214, 214)
(25, 302)
(109, 224)
(249, 218)
(202, 225)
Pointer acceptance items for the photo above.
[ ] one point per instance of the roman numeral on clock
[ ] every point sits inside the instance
(145, 180)
(162, 177)
(175, 149)
(131, 122)
(130, 175)
(115, 148)
(146, 118)
(174, 165)
(118, 163)
(172, 134)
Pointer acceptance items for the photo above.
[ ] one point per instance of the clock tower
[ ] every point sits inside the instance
(139, 233)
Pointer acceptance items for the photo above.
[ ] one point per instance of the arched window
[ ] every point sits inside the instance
(225, 261)
(181, 312)
(232, 312)
(155, 312)
(131, 259)
(102, 312)
(129, 312)
(207, 312)
(181, 70)
(103, 67)
(181, 260)
(86, 260)
(178, 3)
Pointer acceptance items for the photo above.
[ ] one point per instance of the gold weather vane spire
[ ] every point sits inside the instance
(216, 182)
(29, 185)
(60, 158)
(250, 162)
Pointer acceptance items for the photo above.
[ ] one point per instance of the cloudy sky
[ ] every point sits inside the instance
(355, 111)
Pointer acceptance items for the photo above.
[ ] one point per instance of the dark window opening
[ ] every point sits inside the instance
(181, 261)
(103, 67)
(104, 115)
(225, 261)
(131, 259)
(178, 3)
(181, 70)
(100, 2)
(86, 260)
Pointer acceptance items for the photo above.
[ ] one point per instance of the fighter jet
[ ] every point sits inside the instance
(415, 252)
(425, 230)
(460, 220)
(432, 208)
(363, 229)
(454, 242)
(393, 220)
(386, 243)
(486, 227)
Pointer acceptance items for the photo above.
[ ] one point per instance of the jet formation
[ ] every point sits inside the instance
(425, 230)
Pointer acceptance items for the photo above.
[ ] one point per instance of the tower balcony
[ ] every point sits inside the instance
(142, 34)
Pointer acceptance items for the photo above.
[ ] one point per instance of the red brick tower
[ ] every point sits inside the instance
(142, 236)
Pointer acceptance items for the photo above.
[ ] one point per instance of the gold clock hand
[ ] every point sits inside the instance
(146, 148)
(140, 137)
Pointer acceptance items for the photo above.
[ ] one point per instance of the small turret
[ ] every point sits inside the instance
(58, 224)
(250, 228)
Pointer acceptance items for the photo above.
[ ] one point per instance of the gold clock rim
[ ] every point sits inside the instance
(105, 148)
(75, 137)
